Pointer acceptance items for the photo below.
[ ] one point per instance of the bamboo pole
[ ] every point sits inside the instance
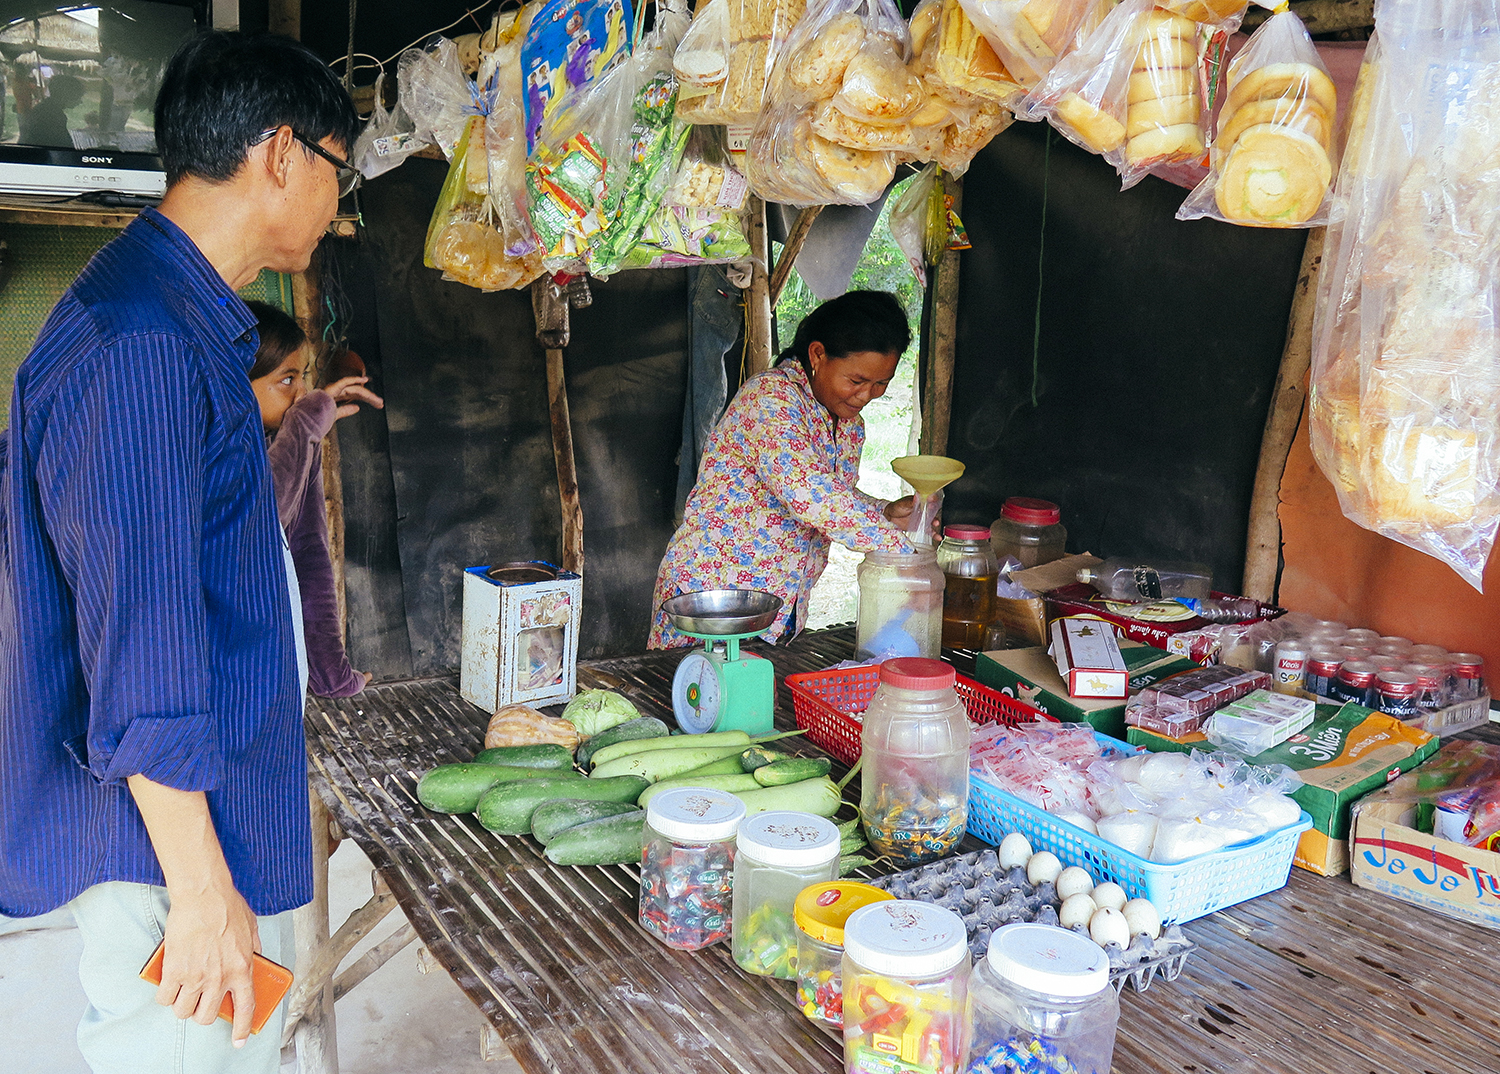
(758, 297)
(567, 472)
(791, 248)
(942, 341)
(1263, 540)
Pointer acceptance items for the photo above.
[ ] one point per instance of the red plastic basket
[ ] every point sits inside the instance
(829, 706)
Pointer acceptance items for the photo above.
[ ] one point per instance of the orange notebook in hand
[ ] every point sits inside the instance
(271, 983)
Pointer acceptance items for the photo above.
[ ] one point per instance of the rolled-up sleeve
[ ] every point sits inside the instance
(121, 484)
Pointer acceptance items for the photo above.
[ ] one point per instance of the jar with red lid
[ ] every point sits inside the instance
(1028, 530)
(970, 572)
(914, 798)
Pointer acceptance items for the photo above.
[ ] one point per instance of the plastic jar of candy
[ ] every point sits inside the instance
(914, 798)
(777, 854)
(1029, 531)
(906, 980)
(1042, 1001)
(687, 866)
(970, 572)
(900, 605)
(821, 912)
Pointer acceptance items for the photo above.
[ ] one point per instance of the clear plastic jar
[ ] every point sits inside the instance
(1042, 1000)
(970, 572)
(900, 605)
(777, 854)
(906, 983)
(687, 866)
(821, 912)
(1028, 530)
(914, 797)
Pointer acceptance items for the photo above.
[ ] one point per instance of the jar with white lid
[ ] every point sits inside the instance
(687, 866)
(1028, 530)
(914, 790)
(1042, 1000)
(906, 979)
(821, 911)
(900, 605)
(777, 854)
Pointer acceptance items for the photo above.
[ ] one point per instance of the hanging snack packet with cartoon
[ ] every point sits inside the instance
(569, 44)
(1272, 161)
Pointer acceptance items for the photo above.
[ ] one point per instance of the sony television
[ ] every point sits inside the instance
(78, 86)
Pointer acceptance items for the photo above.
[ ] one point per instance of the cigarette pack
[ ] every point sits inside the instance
(1088, 658)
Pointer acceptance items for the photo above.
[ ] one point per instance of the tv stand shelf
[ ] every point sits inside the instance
(73, 213)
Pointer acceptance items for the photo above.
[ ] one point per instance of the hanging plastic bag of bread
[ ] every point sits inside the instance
(841, 101)
(1225, 14)
(433, 90)
(969, 93)
(1404, 408)
(701, 65)
(1030, 36)
(756, 33)
(1272, 160)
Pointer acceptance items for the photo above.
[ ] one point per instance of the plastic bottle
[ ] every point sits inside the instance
(1029, 531)
(900, 605)
(970, 572)
(1133, 581)
(914, 798)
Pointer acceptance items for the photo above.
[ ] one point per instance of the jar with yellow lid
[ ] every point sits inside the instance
(820, 913)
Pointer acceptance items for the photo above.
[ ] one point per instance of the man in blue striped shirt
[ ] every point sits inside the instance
(152, 765)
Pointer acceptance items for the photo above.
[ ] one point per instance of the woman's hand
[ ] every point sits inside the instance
(900, 512)
(349, 392)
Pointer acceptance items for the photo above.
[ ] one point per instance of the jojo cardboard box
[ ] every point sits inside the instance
(1346, 752)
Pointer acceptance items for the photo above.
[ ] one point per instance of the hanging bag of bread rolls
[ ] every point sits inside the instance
(1272, 160)
(969, 95)
(726, 59)
(841, 103)
(1030, 36)
(1404, 409)
(701, 65)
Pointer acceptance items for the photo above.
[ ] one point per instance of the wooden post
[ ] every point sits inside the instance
(758, 297)
(942, 341)
(316, 1036)
(567, 472)
(284, 17)
(1263, 541)
(791, 249)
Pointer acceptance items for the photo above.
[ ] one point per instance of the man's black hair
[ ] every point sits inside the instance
(853, 322)
(221, 90)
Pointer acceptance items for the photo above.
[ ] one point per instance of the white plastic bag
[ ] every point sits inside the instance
(1272, 159)
(1404, 409)
(435, 93)
(389, 137)
(912, 223)
(1030, 36)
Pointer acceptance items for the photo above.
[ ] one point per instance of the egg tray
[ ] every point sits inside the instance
(986, 896)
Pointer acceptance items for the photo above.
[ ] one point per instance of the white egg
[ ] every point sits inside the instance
(1108, 926)
(1162, 772)
(1043, 868)
(1141, 916)
(1134, 832)
(1108, 895)
(1015, 849)
(1078, 820)
(1078, 910)
(1073, 881)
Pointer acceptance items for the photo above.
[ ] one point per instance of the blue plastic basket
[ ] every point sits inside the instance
(1182, 892)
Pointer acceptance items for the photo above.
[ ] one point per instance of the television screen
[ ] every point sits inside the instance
(84, 76)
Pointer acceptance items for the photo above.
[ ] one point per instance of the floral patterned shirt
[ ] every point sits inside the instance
(775, 489)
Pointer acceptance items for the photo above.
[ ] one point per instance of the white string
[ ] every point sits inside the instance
(396, 55)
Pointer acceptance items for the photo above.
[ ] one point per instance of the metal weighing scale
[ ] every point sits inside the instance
(716, 688)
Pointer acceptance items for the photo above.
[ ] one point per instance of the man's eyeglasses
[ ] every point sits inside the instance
(348, 175)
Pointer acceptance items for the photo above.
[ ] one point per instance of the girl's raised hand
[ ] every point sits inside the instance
(349, 392)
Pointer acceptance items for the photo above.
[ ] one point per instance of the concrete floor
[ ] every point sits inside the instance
(398, 1021)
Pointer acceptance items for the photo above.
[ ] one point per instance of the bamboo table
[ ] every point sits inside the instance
(1319, 976)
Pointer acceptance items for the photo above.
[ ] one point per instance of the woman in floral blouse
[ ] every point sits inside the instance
(776, 486)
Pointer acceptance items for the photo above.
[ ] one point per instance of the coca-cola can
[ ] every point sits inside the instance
(1322, 668)
(1356, 683)
(1290, 666)
(1396, 694)
(1468, 672)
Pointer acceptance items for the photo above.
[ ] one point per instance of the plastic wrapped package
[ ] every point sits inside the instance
(701, 65)
(705, 176)
(741, 38)
(699, 220)
(1224, 13)
(919, 224)
(1030, 36)
(388, 138)
(1272, 159)
(1405, 399)
(435, 93)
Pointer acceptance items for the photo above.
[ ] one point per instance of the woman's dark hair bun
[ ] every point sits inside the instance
(854, 322)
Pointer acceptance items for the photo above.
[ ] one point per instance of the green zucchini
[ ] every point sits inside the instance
(817, 796)
(506, 809)
(551, 819)
(664, 764)
(792, 770)
(724, 766)
(607, 841)
(456, 788)
(744, 781)
(669, 742)
(639, 729)
(757, 756)
(545, 755)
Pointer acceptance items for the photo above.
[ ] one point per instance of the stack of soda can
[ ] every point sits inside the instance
(1388, 674)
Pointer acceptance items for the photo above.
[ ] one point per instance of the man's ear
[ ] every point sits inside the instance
(275, 155)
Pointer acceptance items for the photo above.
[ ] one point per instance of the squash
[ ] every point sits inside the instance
(522, 725)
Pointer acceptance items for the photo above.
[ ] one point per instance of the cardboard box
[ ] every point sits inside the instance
(1026, 619)
(1029, 675)
(1159, 621)
(1345, 753)
(1088, 659)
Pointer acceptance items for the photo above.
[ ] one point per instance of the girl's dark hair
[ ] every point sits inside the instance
(280, 337)
(853, 322)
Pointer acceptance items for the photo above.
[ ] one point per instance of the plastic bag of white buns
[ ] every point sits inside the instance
(1404, 408)
(701, 65)
(728, 56)
(1131, 93)
(1030, 36)
(1272, 161)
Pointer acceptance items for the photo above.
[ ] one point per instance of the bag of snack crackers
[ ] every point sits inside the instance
(1272, 161)
(970, 94)
(729, 57)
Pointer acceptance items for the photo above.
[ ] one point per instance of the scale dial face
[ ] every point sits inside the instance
(697, 693)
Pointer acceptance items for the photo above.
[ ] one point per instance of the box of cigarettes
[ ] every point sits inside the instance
(1088, 658)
